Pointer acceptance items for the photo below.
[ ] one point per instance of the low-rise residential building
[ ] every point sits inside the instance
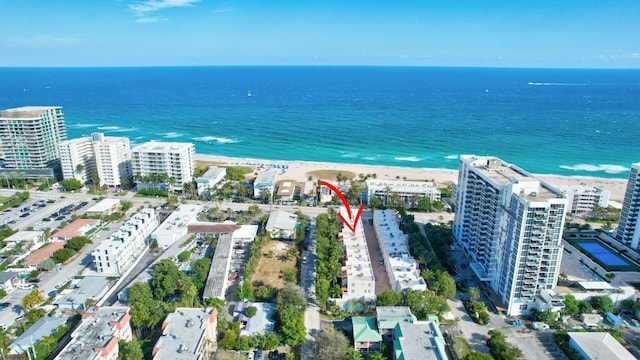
(79, 227)
(176, 225)
(389, 316)
(120, 250)
(45, 326)
(582, 199)
(307, 191)
(76, 296)
(408, 191)
(325, 194)
(9, 280)
(419, 340)
(105, 206)
(358, 281)
(264, 183)
(282, 224)
(598, 345)
(261, 323)
(187, 333)
(40, 255)
(286, 190)
(23, 242)
(212, 177)
(366, 336)
(401, 267)
(97, 335)
(587, 289)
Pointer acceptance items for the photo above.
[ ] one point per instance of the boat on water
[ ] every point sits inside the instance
(249, 93)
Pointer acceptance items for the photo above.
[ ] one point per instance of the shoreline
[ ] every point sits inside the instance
(300, 170)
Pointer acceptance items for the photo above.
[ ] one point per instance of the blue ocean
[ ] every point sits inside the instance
(565, 122)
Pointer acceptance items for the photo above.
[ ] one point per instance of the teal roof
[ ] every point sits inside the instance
(365, 328)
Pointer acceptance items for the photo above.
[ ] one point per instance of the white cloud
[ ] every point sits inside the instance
(150, 20)
(144, 7)
(42, 41)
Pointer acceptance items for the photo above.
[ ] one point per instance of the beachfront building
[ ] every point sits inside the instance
(408, 191)
(286, 190)
(628, 231)
(282, 224)
(76, 159)
(400, 266)
(264, 183)
(187, 333)
(174, 159)
(120, 250)
(212, 177)
(109, 157)
(582, 199)
(29, 137)
(510, 223)
(358, 281)
(97, 335)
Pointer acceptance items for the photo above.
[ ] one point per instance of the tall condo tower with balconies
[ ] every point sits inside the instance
(176, 160)
(30, 136)
(510, 223)
(628, 231)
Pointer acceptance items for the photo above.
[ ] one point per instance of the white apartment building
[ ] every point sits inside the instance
(628, 231)
(175, 159)
(187, 334)
(407, 190)
(109, 156)
(401, 267)
(265, 182)
(29, 137)
(97, 335)
(112, 158)
(120, 250)
(582, 199)
(510, 223)
(358, 281)
(210, 179)
(76, 159)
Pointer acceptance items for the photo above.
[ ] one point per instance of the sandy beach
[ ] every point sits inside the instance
(301, 170)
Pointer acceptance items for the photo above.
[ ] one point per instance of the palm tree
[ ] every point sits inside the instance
(474, 293)
(353, 354)
(32, 299)
(376, 356)
(80, 170)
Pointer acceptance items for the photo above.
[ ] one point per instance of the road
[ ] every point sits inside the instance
(308, 285)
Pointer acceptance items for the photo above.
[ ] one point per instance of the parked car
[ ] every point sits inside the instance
(516, 323)
(539, 326)
(52, 293)
(27, 286)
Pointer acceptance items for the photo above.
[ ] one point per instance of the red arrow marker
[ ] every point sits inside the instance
(348, 223)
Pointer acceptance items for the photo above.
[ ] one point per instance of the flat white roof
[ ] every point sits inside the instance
(595, 285)
(104, 205)
(245, 232)
(180, 218)
(600, 345)
(23, 236)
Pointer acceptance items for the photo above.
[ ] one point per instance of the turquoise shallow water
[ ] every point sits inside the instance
(566, 122)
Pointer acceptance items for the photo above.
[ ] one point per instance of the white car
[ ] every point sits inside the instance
(539, 326)
(26, 287)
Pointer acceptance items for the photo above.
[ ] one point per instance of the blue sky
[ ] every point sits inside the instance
(563, 33)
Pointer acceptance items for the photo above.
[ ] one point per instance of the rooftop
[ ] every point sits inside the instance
(25, 111)
(7, 275)
(365, 328)
(265, 177)
(44, 253)
(43, 327)
(400, 186)
(184, 215)
(156, 146)
(93, 287)
(503, 174)
(281, 220)
(215, 285)
(263, 322)
(23, 235)
(103, 205)
(74, 229)
(595, 285)
(182, 333)
(96, 332)
(419, 341)
(213, 173)
(600, 345)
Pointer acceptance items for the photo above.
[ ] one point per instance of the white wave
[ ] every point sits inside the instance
(607, 168)
(408, 158)
(551, 84)
(219, 140)
(370, 158)
(82, 126)
(138, 137)
(171, 135)
(109, 128)
(451, 157)
(347, 155)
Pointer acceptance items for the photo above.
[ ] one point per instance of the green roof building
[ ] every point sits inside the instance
(366, 337)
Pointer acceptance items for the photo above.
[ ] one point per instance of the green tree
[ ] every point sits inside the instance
(145, 311)
(228, 339)
(474, 293)
(499, 349)
(78, 242)
(584, 307)
(32, 299)
(130, 350)
(291, 295)
(47, 264)
(602, 304)
(166, 280)
(330, 345)
(353, 354)
(200, 269)
(250, 311)
(269, 341)
(62, 255)
(570, 305)
(184, 256)
(389, 297)
(188, 292)
(376, 203)
(476, 355)
(290, 275)
(445, 284)
(71, 184)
